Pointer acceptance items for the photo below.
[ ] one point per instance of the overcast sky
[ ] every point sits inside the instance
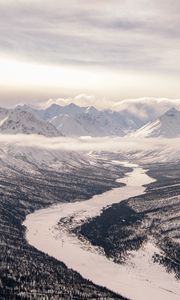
(113, 49)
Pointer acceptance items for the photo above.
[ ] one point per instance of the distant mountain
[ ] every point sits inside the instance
(14, 121)
(53, 110)
(167, 126)
(147, 109)
(73, 120)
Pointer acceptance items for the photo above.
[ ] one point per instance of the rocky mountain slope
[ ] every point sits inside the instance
(167, 126)
(14, 121)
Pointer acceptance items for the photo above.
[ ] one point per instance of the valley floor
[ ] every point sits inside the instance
(28, 184)
(140, 270)
(33, 178)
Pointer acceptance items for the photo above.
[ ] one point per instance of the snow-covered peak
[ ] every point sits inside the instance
(72, 106)
(14, 121)
(171, 113)
(91, 110)
(167, 126)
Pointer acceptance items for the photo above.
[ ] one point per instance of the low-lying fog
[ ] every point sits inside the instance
(89, 143)
(149, 149)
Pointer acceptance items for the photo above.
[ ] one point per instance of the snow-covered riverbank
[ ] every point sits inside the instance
(140, 279)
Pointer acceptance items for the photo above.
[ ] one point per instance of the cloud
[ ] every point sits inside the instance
(81, 100)
(135, 44)
(147, 108)
(54, 151)
(122, 33)
(83, 143)
(68, 144)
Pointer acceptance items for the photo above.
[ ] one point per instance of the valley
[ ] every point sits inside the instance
(119, 232)
(70, 201)
(25, 272)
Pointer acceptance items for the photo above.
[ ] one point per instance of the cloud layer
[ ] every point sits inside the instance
(130, 47)
(147, 108)
(110, 144)
(53, 151)
(135, 34)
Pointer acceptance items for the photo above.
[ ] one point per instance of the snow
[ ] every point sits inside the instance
(13, 121)
(2, 121)
(139, 279)
(168, 126)
(68, 125)
(74, 120)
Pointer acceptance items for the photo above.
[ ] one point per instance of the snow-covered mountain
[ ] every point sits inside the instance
(13, 121)
(147, 109)
(167, 126)
(73, 120)
(76, 121)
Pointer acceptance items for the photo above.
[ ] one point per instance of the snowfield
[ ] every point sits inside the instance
(49, 230)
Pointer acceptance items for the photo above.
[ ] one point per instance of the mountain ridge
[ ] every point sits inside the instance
(74, 120)
(14, 121)
(167, 126)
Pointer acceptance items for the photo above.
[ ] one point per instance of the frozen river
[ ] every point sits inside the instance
(139, 279)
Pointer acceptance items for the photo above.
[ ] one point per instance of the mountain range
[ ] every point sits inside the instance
(73, 120)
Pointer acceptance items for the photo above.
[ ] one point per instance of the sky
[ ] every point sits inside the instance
(107, 49)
